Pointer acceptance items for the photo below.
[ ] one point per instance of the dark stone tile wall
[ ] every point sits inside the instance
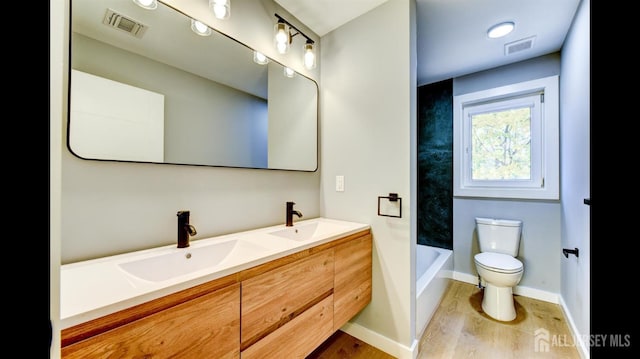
(435, 164)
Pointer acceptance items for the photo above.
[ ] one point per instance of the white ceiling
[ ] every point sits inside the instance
(169, 39)
(451, 36)
(323, 16)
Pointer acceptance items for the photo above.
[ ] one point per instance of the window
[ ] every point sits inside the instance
(506, 141)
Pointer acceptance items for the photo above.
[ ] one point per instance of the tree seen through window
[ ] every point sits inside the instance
(501, 145)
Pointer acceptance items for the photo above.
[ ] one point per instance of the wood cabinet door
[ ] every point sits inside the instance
(297, 338)
(352, 288)
(205, 327)
(272, 299)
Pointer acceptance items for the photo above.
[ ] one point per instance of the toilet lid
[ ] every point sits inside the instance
(499, 262)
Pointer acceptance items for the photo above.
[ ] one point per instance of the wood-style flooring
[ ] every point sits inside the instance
(342, 345)
(460, 329)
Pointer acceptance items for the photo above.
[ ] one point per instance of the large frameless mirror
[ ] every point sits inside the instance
(146, 87)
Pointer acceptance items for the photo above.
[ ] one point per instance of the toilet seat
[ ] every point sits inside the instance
(498, 262)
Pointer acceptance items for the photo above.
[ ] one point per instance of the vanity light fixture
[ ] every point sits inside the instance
(288, 72)
(259, 58)
(147, 4)
(309, 56)
(283, 37)
(501, 29)
(200, 28)
(221, 8)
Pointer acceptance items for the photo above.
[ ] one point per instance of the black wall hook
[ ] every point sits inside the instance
(567, 251)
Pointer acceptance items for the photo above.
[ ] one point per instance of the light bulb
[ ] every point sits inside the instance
(288, 72)
(282, 37)
(282, 48)
(309, 56)
(501, 29)
(200, 28)
(221, 8)
(259, 58)
(147, 4)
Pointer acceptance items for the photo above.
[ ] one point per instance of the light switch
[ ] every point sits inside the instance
(339, 183)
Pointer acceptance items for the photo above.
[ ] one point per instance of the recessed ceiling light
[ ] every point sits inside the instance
(147, 4)
(200, 28)
(501, 29)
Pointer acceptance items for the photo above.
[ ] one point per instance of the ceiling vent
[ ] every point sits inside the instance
(126, 24)
(520, 45)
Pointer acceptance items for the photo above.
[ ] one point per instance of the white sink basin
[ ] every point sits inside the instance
(305, 232)
(97, 287)
(181, 261)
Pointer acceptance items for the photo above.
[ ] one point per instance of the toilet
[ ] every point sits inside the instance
(498, 268)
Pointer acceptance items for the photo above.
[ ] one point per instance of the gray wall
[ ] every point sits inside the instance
(575, 85)
(368, 131)
(109, 208)
(205, 122)
(540, 248)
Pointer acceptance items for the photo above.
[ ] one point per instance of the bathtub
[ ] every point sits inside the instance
(434, 268)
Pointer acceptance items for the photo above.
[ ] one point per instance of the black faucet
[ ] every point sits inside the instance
(184, 229)
(290, 213)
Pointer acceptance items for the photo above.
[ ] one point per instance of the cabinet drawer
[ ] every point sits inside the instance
(213, 322)
(297, 338)
(273, 298)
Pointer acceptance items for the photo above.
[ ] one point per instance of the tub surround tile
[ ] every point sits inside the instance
(435, 164)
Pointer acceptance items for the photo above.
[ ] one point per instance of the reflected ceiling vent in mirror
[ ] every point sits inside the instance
(124, 23)
(520, 45)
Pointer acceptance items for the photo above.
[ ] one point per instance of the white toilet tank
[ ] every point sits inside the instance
(499, 235)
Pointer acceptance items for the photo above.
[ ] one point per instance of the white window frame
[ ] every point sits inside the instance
(545, 163)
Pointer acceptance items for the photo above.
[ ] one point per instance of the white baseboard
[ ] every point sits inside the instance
(519, 290)
(583, 348)
(400, 351)
(381, 342)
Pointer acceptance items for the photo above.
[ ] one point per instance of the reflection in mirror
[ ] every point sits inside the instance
(144, 87)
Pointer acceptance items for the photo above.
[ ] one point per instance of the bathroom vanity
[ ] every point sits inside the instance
(282, 303)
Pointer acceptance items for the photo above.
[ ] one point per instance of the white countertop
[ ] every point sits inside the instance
(94, 288)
